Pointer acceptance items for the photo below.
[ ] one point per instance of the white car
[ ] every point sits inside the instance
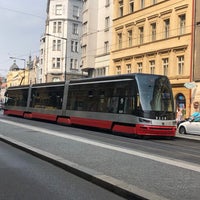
(190, 126)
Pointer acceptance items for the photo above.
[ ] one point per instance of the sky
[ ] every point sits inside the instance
(22, 23)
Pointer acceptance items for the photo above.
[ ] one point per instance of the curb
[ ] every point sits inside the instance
(188, 137)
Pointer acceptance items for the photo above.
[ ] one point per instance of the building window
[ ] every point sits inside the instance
(100, 71)
(106, 47)
(119, 40)
(139, 67)
(153, 32)
(141, 35)
(74, 64)
(83, 48)
(180, 64)
(56, 45)
(182, 24)
(165, 64)
(59, 27)
(76, 11)
(142, 4)
(74, 46)
(84, 28)
(118, 68)
(154, 2)
(58, 10)
(71, 63)
(131, 6)
(121, 5)
(107, 23)
(54, 27)
(166, 28)
(85, 2)
(75, 29)
(107, 3)
(130, 38)
(152, 66)
(56, 63)
(128, 68)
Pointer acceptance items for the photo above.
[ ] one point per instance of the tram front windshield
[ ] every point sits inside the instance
(155, 93)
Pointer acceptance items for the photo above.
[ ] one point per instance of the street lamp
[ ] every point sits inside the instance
(65, 73)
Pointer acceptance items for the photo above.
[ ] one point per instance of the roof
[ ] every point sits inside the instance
(14, 67)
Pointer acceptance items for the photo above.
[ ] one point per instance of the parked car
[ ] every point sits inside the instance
(191, 126)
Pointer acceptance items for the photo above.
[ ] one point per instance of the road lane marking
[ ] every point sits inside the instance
(120, 187)
(173, 162)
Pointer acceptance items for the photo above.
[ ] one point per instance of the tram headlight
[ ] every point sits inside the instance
(145, 121)
(174, 122)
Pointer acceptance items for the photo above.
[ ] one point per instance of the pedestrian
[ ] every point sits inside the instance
(179, 116)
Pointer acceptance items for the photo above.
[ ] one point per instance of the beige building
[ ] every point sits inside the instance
(23, 76)
(195, 91)
(155, 37)
(17, 76)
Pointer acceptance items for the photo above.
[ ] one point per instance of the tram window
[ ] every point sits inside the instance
(48, 98)
(113, 104)
(121, 105)
(102, 97)
(129, 105)
(17, 97)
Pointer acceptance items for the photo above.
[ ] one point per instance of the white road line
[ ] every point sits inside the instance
(173, 162)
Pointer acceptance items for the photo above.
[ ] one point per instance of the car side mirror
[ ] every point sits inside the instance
(191, 119)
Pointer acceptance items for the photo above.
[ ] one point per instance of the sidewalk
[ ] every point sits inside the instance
(188, 136)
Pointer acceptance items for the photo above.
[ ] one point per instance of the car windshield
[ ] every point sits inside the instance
(155, 93)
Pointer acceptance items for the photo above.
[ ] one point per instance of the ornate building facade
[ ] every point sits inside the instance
(155, 37)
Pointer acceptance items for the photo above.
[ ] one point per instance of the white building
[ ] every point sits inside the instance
(96, 38)
(89, 35)
(60, 50)
(104, 38)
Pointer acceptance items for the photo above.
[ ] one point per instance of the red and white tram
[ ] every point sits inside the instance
(138, 104)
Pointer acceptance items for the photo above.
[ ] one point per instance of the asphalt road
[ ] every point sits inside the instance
(155, 168)
(25, 177)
